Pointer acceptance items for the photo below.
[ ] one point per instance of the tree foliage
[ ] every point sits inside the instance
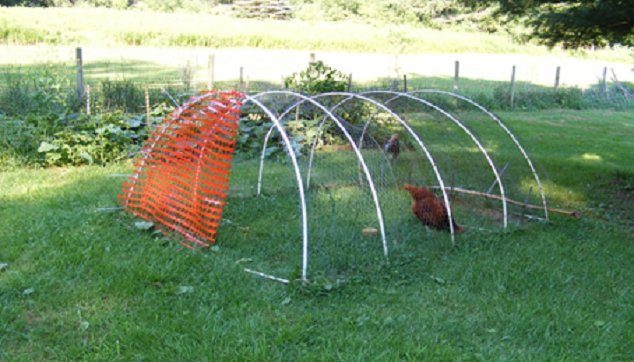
(572, 24)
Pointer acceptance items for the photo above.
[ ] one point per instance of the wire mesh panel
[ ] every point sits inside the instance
(457, 155)
(393, 159)
(344, 190)
(265, 230)
(516, 170)
(371, 174)
(341, 208)
(263, 222)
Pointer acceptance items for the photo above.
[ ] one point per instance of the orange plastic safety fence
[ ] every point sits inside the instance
(181, 179)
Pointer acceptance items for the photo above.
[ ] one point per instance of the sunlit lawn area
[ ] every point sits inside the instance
(77, 283)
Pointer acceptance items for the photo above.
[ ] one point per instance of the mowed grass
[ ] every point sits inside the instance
(104, 27)
(83, 284)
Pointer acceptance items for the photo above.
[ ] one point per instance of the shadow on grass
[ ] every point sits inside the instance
(134, 70)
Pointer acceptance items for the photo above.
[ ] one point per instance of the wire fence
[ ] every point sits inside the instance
(134, 86)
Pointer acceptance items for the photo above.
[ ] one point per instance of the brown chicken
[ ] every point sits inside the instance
(392, 146)
(430, 210)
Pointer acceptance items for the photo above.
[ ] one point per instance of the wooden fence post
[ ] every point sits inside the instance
(512, 100)
(88, 99)
(456, 76)
(241, 85)
(604, 84)
(188, 75)
(148, 121)
(211, 64)
(557, 74)
(349, 87)
(405, 91)
(80, 74)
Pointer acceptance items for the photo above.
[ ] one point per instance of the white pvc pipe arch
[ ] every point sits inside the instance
(300, 185)
(298, 176)
(469, 133)
(407, 128)
(425, 102)
(499, 122)
(291, 154)
(277, 124)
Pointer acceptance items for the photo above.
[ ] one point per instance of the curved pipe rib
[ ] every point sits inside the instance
(312, 148)
(508, 132)
(467, 131)
(419, 141)
(298, 177)
(355, 149)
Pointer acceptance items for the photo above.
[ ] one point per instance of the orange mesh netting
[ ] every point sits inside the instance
(181, 179)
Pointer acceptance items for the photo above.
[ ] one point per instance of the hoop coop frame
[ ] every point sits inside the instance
(181, 179)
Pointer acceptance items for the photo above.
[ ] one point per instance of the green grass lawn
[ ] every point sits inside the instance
(84, 284)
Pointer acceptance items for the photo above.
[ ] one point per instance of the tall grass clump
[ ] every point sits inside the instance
(496, 95)
(46, 89)
(70, 26)
(31, 35)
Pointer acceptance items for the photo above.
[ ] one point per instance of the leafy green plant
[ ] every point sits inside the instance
(316, 78)
(306, 131)
(253, 129)
(103, 140)
(251, 133)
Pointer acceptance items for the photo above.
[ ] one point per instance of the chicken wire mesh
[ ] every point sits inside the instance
(339, 203)
(373, 174)
(482, 161)
(355, 183)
